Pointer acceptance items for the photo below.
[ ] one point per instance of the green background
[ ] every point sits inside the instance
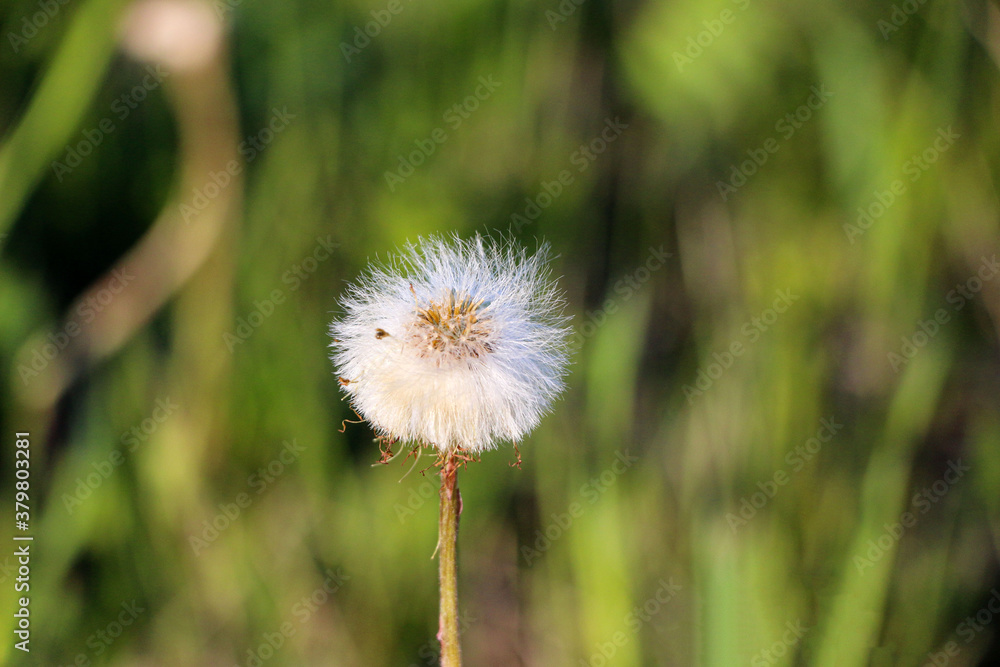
(842, 154)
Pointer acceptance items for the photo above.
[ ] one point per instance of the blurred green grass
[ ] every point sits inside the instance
(562, 561)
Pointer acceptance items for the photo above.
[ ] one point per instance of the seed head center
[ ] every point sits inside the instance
(452, 327)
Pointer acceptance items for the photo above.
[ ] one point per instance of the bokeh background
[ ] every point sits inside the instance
(776, 225)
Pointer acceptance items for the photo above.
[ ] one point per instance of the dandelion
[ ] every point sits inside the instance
(458, 345)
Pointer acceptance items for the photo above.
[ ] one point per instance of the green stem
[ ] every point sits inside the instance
(451, 508)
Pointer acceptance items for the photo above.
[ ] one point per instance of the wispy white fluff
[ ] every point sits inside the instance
(453, 343)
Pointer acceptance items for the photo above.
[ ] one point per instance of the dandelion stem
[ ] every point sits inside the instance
(451, 509)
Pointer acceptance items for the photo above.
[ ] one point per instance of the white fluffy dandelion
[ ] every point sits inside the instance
(456, 344)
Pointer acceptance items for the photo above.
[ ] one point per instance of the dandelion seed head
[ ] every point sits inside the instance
(459, 344)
